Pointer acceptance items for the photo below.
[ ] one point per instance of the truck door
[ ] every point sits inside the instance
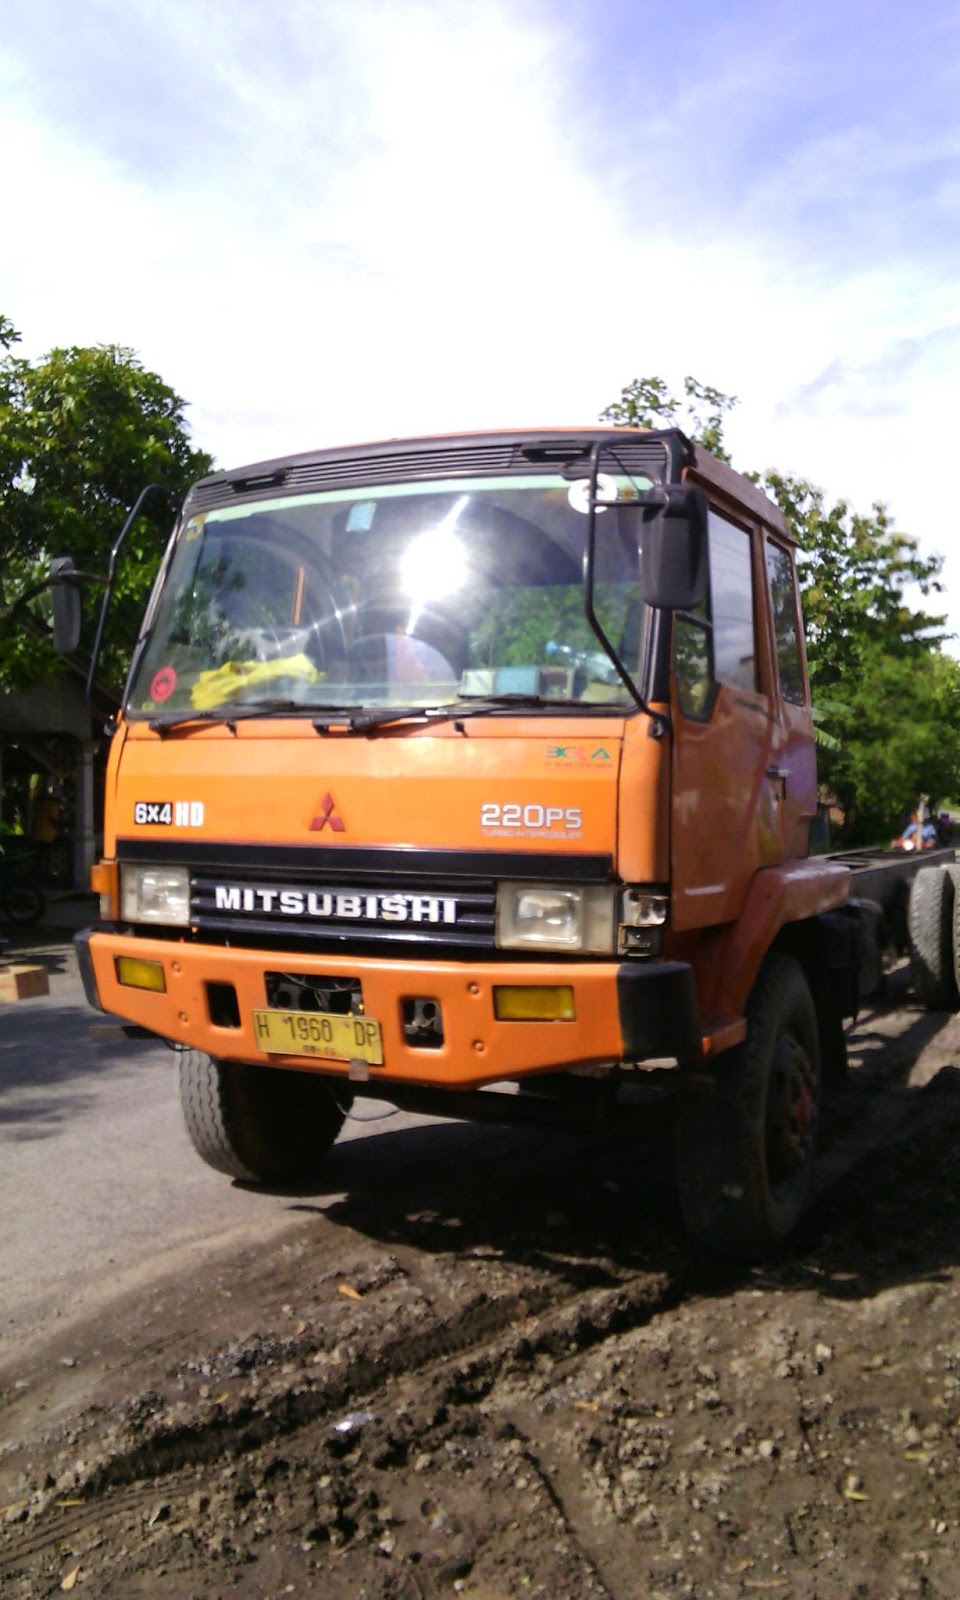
(727, 798)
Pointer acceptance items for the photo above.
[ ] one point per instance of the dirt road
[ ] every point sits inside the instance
(495, 1369)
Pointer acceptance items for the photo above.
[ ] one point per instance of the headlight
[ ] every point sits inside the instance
(547, 917)
(155, 894)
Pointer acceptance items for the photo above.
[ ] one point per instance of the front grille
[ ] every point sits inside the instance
(336, 910)
(306, 991)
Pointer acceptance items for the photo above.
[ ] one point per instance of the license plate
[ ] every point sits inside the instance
(318, 1033)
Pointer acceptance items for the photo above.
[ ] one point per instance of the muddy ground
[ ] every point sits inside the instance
(514, 1378)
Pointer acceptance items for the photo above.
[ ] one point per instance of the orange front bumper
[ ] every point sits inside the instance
(477, 1048)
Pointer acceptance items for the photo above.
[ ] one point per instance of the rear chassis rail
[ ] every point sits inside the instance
(883, 877)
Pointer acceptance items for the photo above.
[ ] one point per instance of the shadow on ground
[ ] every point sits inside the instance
(50, 1055)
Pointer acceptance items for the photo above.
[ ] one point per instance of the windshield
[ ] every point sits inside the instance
(413, 594)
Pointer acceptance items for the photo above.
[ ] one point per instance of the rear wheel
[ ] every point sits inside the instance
(263, 1124)
(748, 1130)
(930, 913)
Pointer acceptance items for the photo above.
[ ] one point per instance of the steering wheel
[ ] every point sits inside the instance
(384, 646)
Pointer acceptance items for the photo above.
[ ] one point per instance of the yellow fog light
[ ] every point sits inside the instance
(134, 973)
(534, 1003)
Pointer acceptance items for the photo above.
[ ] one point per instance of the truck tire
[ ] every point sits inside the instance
(954, 873)
(747, 1130)
(930, 919)
(262, 1124)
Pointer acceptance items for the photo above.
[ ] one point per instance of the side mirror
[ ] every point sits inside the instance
(673, 560)
(67, 609)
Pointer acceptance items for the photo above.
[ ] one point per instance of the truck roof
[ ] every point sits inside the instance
(664, 453)
(708, 470)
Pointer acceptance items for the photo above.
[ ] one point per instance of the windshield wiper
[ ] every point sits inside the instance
(355, 719)
(229, 715)
(478, 706)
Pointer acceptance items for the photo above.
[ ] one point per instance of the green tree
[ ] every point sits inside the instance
(81, 432)
(648, 403)
(888, 697)
(896, 739)
(886, 690)
(854, 572)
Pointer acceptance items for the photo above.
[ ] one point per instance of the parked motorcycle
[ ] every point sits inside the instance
(22, 901)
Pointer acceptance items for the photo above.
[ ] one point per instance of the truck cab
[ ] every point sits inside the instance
(470, 761)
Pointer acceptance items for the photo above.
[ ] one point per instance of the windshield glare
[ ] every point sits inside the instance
(413, 594)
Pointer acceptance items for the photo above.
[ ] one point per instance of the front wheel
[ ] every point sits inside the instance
(747, 1130)
(262, 1124)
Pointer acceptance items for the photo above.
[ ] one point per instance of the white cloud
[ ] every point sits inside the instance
(325, 223)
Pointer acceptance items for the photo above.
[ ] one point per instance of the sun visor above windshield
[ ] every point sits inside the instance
(658, 454)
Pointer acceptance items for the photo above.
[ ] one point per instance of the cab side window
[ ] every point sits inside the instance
(717, 643)
(784, 602)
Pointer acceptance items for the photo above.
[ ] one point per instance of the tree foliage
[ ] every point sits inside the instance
(889, 692)
(855, 571)
(81, 432)
(648, 403)
(896, 736)
(888, 697)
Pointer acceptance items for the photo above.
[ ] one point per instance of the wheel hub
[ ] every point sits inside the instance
(791, 1111)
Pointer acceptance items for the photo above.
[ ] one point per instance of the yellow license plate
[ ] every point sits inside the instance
(318, 1033)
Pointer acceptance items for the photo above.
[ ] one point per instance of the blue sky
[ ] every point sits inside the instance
(323, 222)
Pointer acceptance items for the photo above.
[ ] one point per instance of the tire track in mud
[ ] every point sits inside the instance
(577, 1523)
(466, 1361)
(483, 1335)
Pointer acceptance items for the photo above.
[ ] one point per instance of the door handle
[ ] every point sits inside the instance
(781, 774)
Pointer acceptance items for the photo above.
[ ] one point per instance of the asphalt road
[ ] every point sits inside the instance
(99, 1185)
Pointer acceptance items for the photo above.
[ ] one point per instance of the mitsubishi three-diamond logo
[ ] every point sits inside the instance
(327, 815)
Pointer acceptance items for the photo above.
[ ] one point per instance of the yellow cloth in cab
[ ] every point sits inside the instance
(221, 684)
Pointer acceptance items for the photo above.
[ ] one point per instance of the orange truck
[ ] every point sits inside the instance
(476, 774)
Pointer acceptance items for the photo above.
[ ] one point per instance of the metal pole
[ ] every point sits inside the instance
(84, 842)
